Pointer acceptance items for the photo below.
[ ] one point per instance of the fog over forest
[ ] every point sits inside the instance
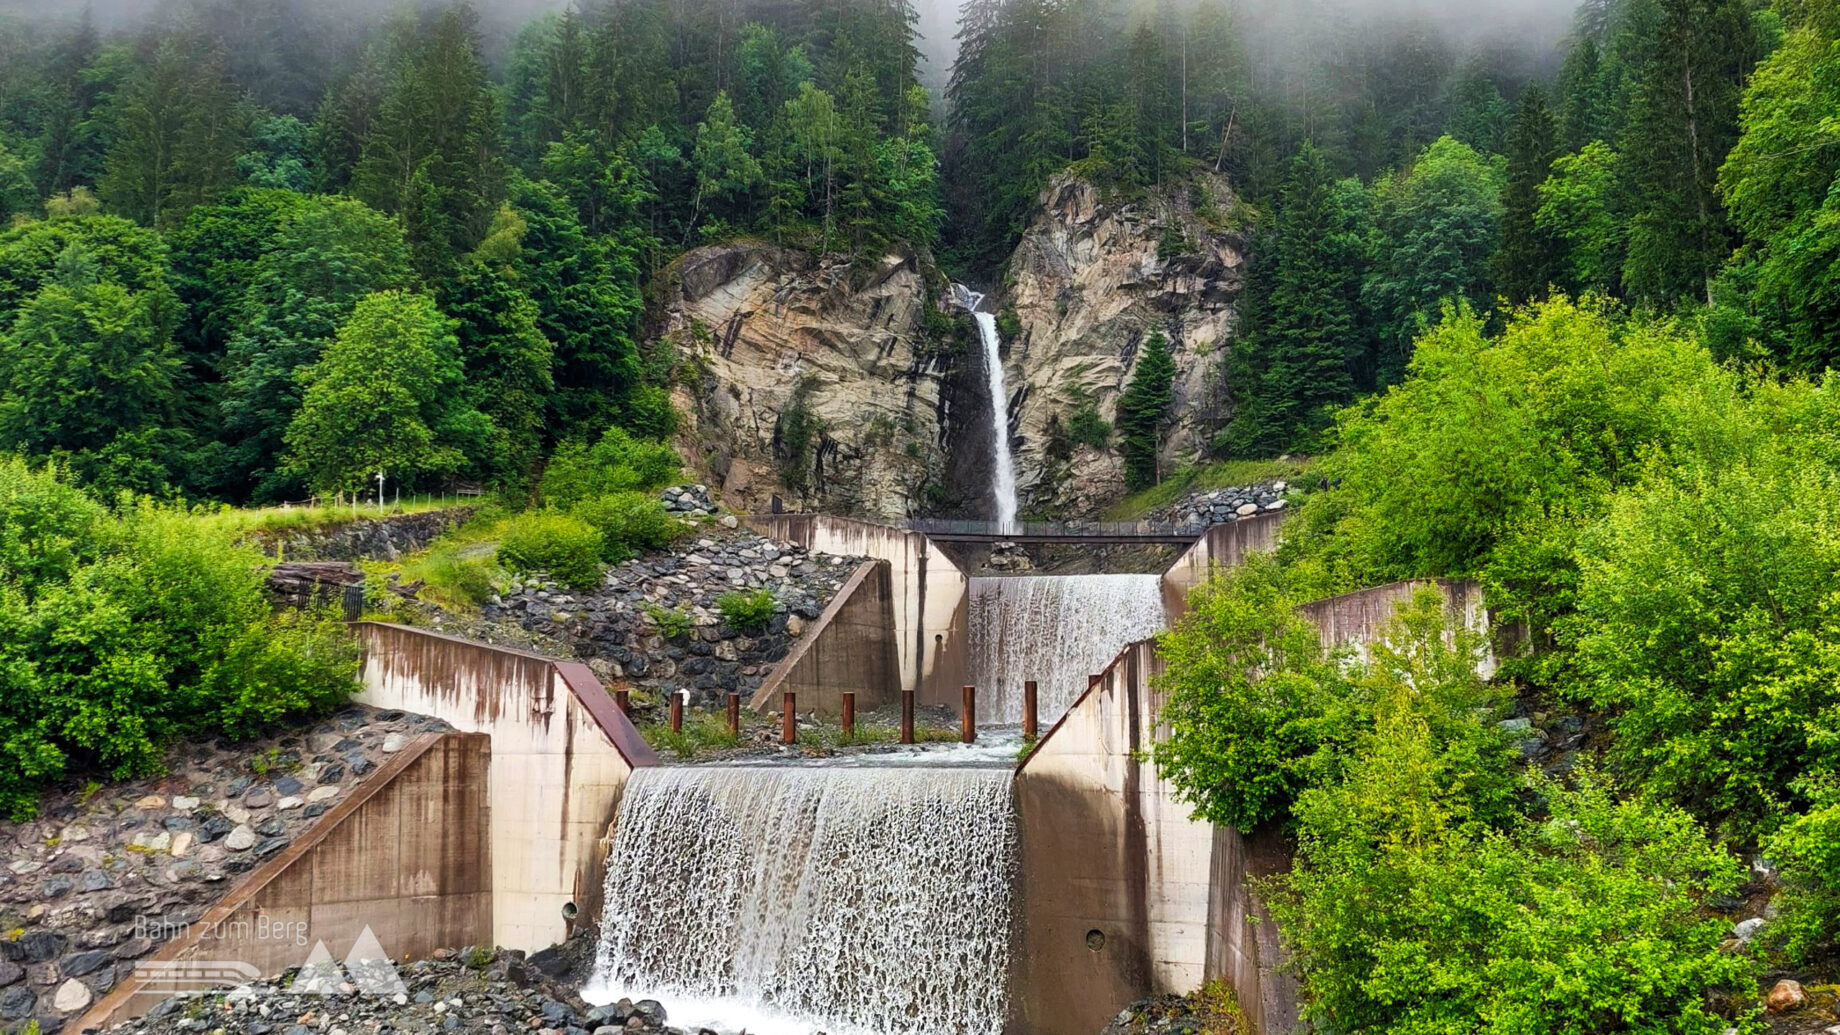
(1279, 29)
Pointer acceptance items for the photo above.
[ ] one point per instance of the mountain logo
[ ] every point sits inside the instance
(367, 970)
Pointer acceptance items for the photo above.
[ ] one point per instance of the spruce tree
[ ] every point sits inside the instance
(1142, 410)
(1683, 121)
(1296, 364)
(433, 153)
(1530, 259)
(179, 125)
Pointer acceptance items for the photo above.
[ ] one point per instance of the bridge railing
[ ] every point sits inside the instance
(1053, 529)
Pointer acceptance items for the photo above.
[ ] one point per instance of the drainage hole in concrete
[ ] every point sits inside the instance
(1095, 940)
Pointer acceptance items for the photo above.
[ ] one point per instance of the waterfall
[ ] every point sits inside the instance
(848, 901)
(1057, 630)
(1003, 473)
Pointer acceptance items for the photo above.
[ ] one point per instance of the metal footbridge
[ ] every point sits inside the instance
(1091, 533)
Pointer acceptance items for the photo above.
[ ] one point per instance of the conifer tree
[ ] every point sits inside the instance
(433, 154)
(1530, 258)
(1143, 409)
(1683, 121)
(1297, 360)
(179, 125)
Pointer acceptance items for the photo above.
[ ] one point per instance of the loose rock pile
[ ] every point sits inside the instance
(655, 622)
(1222, 505)
(470, 992)
(104, 876)
(688, 500)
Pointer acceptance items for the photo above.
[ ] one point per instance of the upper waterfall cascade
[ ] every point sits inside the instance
(1056, 630)
(854, 902)
(1003, 470)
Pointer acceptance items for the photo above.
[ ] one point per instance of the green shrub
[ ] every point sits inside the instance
(1425, 925)
(1808, 849)
(1251, 697)
(630, 523)
(671, 623)
(121, 633)
(1086, 428)
(617, 463)
(1707, 625)
(747, 612)
(567, 548)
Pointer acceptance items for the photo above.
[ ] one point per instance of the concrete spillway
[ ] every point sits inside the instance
(1056, 630)
(798, 900)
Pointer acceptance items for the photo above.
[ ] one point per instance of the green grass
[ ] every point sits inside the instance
(282, 519)
(460, 568)
(1206, 478)
(707, 730)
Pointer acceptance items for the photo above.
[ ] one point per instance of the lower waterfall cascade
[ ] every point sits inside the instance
(1058, 630)
(873, 901)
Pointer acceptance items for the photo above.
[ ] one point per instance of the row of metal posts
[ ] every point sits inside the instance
(789, 727)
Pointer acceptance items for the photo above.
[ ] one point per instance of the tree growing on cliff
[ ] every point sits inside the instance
(1143, 409)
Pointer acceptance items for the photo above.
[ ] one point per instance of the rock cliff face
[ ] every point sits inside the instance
(1090, 280)
(823, 384)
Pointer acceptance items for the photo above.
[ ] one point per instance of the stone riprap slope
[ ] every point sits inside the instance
(655, 621)
(106, 874)
(368, 539)
(1220, 506)
(468, 992)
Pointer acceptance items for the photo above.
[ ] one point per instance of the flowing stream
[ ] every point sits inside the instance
(791, 899)
(1058, 630)
(1003, 468)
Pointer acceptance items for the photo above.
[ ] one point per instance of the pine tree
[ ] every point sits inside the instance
(1143, 409)
(1297, 361)
(432, 155)
(179, 125)
(1683, 121)
(1530, 258)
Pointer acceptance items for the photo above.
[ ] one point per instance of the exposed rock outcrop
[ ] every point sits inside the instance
(1092, 277)
(817, 381)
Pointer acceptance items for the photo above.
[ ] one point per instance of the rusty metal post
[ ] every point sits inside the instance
(789, 719)
(1030, 725)
(623, 698)
(734, 714)
(907, 716)
(677, 713)
(849, 715)
(969, 717)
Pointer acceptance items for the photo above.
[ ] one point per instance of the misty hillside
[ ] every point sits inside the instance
(1540, 294)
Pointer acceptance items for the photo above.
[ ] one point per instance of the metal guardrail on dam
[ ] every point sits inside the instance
(949, 530)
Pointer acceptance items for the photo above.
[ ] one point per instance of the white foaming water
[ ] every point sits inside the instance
(1003, 474)
(1058, 630)
(792, 900)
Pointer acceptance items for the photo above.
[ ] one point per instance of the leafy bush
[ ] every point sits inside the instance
(1251, 697)
(1497, 450)
(671, 623)
(1707, 624)
(1086, 428)
(567, 548)
(121, 633)
(1422, 925)
(630, 523)
(617, 463)
(1808, 849)
(747, 612)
